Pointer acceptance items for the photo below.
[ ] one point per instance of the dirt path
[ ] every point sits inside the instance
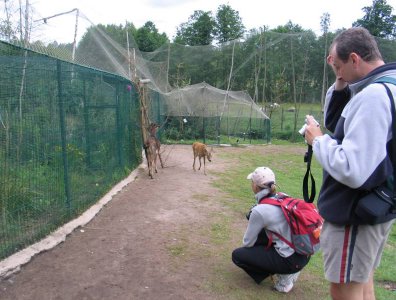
(132, 248)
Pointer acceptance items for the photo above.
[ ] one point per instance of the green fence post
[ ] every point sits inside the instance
(63, 136)
(86, 126)
(118, 125)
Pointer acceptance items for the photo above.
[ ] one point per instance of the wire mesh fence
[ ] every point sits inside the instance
(67, 134)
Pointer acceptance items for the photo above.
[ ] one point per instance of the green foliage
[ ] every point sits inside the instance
(199, 30)
(148, 38)
(284, 118)
(229, 25)
(378, 19)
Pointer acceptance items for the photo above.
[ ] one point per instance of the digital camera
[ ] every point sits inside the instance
(304, 127)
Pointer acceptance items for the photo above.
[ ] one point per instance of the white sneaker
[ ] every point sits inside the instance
(285, 282)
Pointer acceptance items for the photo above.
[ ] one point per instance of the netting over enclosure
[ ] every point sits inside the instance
(271, 66)
(170, 73)
(201, 110)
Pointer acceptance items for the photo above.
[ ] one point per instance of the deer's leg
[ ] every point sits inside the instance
(155, 163)
(194, 162)
(150, 166)
(146, 154)
(204, 165)
(159, 152)
(150, 159)
(160, 158)
(199, 157)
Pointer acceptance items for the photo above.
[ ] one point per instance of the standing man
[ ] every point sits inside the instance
(355, 158)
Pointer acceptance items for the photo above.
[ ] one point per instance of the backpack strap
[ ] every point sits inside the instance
(386, 79)
(391, 80)
(276, 200)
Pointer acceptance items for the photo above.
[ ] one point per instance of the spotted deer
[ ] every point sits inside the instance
(152, 147)
(201, 150)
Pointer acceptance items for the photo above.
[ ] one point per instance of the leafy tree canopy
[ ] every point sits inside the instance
(198, 30)
(148, 38)
(289, 27)
(229, 25)
(378, 20)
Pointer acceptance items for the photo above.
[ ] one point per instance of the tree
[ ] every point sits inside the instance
(229, 25)
(324, 24)
(148, 38)
(8, 26)
(378, 20)
(198, 30)
(289, 27)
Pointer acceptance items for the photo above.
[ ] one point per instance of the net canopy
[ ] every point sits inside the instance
(204, 100)
(187, 80)
(242, 78)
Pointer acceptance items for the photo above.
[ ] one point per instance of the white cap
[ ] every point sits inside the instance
(262, 177)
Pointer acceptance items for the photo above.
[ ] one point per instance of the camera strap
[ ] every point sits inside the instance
(308, 174)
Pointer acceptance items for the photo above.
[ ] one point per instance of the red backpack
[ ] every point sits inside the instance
(304, 221)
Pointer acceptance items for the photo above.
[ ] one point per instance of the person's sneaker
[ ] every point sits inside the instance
(285, 282)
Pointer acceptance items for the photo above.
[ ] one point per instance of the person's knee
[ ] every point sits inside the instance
(235, 256)
(346, 291)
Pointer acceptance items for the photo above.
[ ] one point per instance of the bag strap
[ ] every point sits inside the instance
(392, 101)
(277, 200)
(308, 174)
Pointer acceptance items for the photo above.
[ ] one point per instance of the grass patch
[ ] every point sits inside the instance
(177, 250)
(286, 160)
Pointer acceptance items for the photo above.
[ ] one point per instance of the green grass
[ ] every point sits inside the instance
(289, 167)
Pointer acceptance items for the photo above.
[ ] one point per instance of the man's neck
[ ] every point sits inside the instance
(370, 66)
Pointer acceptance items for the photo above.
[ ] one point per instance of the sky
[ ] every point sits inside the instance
(167, 15)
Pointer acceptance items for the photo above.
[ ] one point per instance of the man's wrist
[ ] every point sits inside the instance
(340, 85)
(316, 139)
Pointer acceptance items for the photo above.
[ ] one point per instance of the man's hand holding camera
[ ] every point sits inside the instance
(312, 129)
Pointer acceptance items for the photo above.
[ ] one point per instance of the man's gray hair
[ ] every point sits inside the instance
(357, 40)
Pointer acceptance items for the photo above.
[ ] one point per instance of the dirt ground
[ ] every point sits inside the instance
(130, 249)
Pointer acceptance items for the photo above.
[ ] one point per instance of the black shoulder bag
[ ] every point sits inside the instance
(379, 205)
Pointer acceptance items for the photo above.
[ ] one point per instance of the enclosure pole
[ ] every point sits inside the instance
(63, 136)
(159, 121)
(118, 124)
(250, 123)
(129, 55)
(86, 126)
(167, 69)
(75, 35)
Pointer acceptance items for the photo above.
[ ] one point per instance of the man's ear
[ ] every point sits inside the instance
(355, 58)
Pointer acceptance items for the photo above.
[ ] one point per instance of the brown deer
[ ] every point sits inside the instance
(152, 147)
(201, 150)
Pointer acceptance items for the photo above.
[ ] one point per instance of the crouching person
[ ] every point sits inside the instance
(258, 257)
